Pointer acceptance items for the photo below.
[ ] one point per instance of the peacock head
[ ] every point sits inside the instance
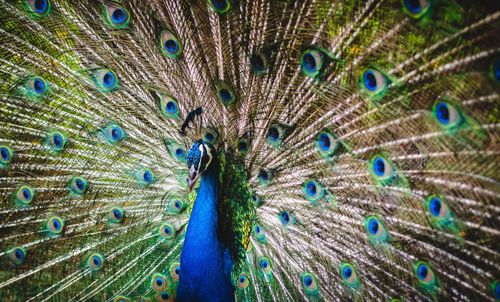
(199, 157)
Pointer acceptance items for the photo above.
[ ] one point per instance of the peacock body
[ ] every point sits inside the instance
(231, 150)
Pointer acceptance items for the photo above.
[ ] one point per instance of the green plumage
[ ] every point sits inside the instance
(358, 144)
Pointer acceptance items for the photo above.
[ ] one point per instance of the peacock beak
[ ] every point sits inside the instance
(193, 178)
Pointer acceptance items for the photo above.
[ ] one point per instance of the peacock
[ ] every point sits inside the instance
(249, 150)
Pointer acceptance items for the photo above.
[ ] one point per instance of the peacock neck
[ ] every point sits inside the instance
(203, 276)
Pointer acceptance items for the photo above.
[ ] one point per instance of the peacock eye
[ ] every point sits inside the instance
(36, 86)
(424, 273)
(210, 135)
(349, 275)
(276, 135)
(112, 133)
(175, 205)
(495, 289)
(39, 7)
(116, 16)
(116, 215)
(259, 64)
(375, 229)
(170, 45)
(6, 155)
(95, 261)
(264, 177)
(441, 214)
(17, 255)
(144, 177)
(78, 185)
(259, 233)
(382, 170)
(24, 195)
(265, 265)
(220, 6)
(286, 218)
(312, 62)
(243, 280)
(167, 231)
(176, 150)
(159, 282)
(326, 143)
(55, 141)
(105, 79)
(175, 269)
(123, 299)
(54, 225)
(243, 145)
(225, 94)
(313, 191)
(164, 296)
(373, 83)
(447, 115)
(416, 8)
(169, 106)
(309, 284)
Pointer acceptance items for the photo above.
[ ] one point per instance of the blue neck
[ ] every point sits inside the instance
(203, 276)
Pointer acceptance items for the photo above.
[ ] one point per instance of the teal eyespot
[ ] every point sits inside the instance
(54, 225)
(375, 228)
(495, 289)
(170, 45)
(78, 185)
(112, 133)
(349, 275)
(95, 261)
(327, 144)
(265, 177)
(259, 233)
(115, 16)
(105, 79)
(166, 231)
(259, 64)
(168, 105)
(314, 191)
(164, 296)
(309, 284)
(176, 150)
(116, 215)
(374, 83)
(382, 170)
(243, 145)
(24, 195)
(17, 255)
(225, 94)
(416, 9)
(257, 200)
(286, 218)
(36, 87)
(440, 213)
(159, 282)
(448, 116)
(176, 205)
(312, 62)
(39, 8)
(220, 6)
(56, 141)
(145, 177)
(276, 134)
(175, 270)
(243, 280)
(6, 155)
(264, 265)
(210, 135)
(426, 279)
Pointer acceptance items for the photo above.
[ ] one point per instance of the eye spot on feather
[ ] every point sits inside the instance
(373, 83)
(116, 215)
(175, 270)
(95, 261)
(56, 141)
(495, 289)
(243, 146)
(495, 71)
(54, 225)
(166, 231)
(112, 133)
(210, 135)
(258, 64)
(77, 185)
(105, 80)
(38, 7)
(382, 170)
(6, 155)
(170, 45)
(416, 9)
(309, 284)
(312, 62)
(159, 282)
(220, 6)
(243, 281)
(349, 275)
(115, 16)
(264, 177)
(17, 255)
(286, 218)
(447, 115)
(122, 299)
(24, 195)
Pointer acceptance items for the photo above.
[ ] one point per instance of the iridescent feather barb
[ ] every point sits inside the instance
(357, 145)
